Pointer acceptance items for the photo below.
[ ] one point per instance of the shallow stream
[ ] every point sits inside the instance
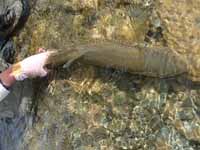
(85, 107)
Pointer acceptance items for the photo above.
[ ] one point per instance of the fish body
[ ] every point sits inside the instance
(154, 62)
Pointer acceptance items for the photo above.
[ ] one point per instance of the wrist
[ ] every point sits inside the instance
(7, 78)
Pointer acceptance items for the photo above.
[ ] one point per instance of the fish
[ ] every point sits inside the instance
(160, 62)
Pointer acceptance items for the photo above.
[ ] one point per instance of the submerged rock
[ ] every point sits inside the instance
(180, 20)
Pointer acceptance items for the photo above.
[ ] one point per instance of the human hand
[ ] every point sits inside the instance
(31, 67)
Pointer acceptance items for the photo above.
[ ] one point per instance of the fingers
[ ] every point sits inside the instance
(43, 73)
(41, 50)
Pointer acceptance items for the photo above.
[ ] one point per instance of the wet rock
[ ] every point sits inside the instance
(184, 117)
(168, 139)
(180, 20)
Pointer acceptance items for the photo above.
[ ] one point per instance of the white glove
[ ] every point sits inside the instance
(31, 67)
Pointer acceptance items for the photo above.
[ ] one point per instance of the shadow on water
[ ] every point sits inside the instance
(11, 132)
(15, 116)
(125, 81)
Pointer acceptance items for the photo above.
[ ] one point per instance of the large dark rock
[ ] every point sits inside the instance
(13, 14)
